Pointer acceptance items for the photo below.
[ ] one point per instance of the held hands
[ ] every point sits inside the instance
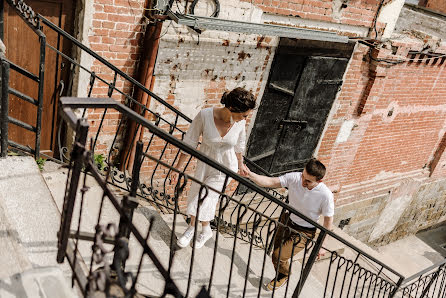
(243, 170)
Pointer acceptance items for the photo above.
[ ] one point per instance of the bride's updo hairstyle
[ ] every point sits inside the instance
(238, 100)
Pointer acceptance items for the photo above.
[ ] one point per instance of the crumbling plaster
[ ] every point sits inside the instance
(85, 9)
(418, 23)
(389, 15)
(350, 30)
(192, 70)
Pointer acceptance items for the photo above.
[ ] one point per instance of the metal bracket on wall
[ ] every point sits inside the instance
(344, 222)
(203, 23)
(161, 5)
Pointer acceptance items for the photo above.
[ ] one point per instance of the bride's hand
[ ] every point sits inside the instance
(243, 170)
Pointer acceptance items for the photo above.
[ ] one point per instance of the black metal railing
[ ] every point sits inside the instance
(110, 239)
(228, 266)
(430, 282)
(116, 148)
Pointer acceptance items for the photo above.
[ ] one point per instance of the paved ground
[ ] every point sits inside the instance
(435, 238)
(412, 254)
(29, 221)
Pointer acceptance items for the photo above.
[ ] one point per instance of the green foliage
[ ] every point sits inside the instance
(40, 162)
(99, 161)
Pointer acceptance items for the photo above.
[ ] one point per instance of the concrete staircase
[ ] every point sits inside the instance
(150, 281)
(30, 219)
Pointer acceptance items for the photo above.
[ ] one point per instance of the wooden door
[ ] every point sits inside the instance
(23, 48)
(305, 78)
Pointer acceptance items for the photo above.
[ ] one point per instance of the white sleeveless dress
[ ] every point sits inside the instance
(222, 150)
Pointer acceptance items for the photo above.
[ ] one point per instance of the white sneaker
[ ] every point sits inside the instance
(185, 239)
(202, 238)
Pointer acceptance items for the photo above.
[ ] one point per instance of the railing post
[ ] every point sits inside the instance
(310, 262)
(70, 194)
(40, 95)
(4, 107)
(434, 277)
(397, 287)
(129, 204)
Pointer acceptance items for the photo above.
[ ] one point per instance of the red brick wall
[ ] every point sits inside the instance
(399, 129)
(358, 12)
(116, 35)
(438, 5)
(438, 165)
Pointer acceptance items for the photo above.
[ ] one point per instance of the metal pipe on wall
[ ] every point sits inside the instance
(145, 77)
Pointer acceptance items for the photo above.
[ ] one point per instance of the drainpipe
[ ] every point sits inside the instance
(145, 77)
(375, 20)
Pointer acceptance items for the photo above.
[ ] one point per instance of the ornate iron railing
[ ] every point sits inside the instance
(116, 147)
(430, 282)
(354, 274)
(110, 251)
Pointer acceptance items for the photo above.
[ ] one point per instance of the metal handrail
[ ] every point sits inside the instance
(111, 66)
(35, 20)
(418, 274)
(125, 76)
(67, 102)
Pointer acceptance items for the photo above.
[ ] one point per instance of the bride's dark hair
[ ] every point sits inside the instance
(239, 100)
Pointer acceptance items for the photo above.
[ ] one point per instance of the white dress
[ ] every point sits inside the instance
(222, 150)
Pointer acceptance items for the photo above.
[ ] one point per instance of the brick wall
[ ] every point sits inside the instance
(437, 5)
(115, 34)
(398, 113)
(359, 13)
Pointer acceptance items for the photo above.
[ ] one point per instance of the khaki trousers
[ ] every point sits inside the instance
(287, 239)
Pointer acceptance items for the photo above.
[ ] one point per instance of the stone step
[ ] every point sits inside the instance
(338, 280)
(12, 255)
(32, 220)
(255, 280)
(252, 201)
(383, 258)
(150, 281)
(39, 282)
(160, 242)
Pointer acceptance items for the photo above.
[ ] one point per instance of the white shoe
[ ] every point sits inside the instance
(185, 239)
(202, 238)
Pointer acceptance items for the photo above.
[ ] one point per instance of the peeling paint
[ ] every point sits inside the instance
(345, 131)
(242, 56)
